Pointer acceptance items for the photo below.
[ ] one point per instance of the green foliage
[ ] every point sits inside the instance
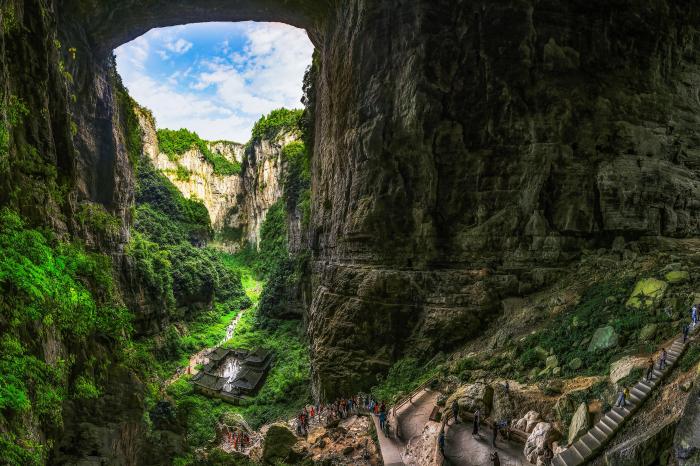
(297, 181)
(632, 378)
(174, 143)
(566, 333)
(182, 173)
(85, 389)
(273, 240)
(96, 218)
(269, 126)
(690, 358)
(47, 286)
(403, 377)
(152, 267)
(164, 214)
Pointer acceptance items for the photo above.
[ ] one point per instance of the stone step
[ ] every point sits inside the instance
(578, 456)
(571, 457)
(558, 461)
(658, 373)
(646, 385)
(610, 423)
(623, 412)
(637, 395)
(583, 449)
(598, 433)
(615, 416)
(590, 441)
(605, 428)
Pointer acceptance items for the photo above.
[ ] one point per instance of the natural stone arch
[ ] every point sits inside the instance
(109, 24)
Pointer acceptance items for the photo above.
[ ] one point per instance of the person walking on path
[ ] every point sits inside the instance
(455, 411)
(477, 415)
(694, 314)
(495, 459)
(382, 420)
(650, 370)
(662, 359)
(441, 441)
(686, 330)
(621, 398)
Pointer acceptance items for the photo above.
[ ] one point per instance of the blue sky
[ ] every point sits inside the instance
(216, 78)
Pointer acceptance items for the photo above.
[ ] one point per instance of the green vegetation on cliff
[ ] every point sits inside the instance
(63, 292)
(174, 143)
(271, 125)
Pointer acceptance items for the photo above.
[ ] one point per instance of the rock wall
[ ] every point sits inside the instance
(237, 204)
(467, 151)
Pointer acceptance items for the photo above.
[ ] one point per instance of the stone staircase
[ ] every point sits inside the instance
(588, 445)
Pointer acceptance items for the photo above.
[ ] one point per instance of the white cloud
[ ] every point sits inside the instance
(178, 46)
(220, 94)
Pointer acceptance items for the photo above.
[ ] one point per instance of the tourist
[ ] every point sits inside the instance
(376, 408)
(694, 315)
(662, 359)
(621, 399)
(441, 441)
(455, 411)
(507, 387)
(475, 430)
(495, 459)
(650, 370)
(382, 420)
(686, 330)
(312, 412)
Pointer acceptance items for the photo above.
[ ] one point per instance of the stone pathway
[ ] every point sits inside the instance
(390, 447)
(586, 447)
(463, 449)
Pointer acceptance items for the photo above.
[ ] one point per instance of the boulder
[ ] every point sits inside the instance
(686, 442)
(648, 332)
(564, 408)
(542, 434)
(603, 338)
(646, 449)
(503, 405)
(646, 293)
(623, 366)
(580, 423)
(575, 364)
(528, 422)
(677, 276)
(471, 397)
(278, 444)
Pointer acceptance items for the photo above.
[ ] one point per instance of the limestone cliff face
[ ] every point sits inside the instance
(237, 204)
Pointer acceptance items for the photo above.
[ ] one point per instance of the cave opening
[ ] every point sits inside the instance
(222, 188)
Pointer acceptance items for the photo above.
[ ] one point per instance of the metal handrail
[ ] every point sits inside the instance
(410, 396)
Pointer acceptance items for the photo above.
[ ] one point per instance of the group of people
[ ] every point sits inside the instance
(624, 394)
(341, 408)
(240, 440)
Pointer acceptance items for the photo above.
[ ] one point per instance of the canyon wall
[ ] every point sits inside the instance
(237, 204)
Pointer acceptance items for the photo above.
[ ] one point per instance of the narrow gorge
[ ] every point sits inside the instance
(493, 205)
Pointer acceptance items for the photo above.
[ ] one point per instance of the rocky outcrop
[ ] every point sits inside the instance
(686, 442)
(237, 204)
(646, 449)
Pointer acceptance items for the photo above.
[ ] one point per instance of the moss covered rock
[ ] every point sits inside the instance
(603, 338)
(646, 293)
(278, 444)
(677, 276)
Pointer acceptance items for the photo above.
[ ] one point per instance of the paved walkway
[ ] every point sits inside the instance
(412, 417)
(588, 446)
(463, 449)
(390, 447)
